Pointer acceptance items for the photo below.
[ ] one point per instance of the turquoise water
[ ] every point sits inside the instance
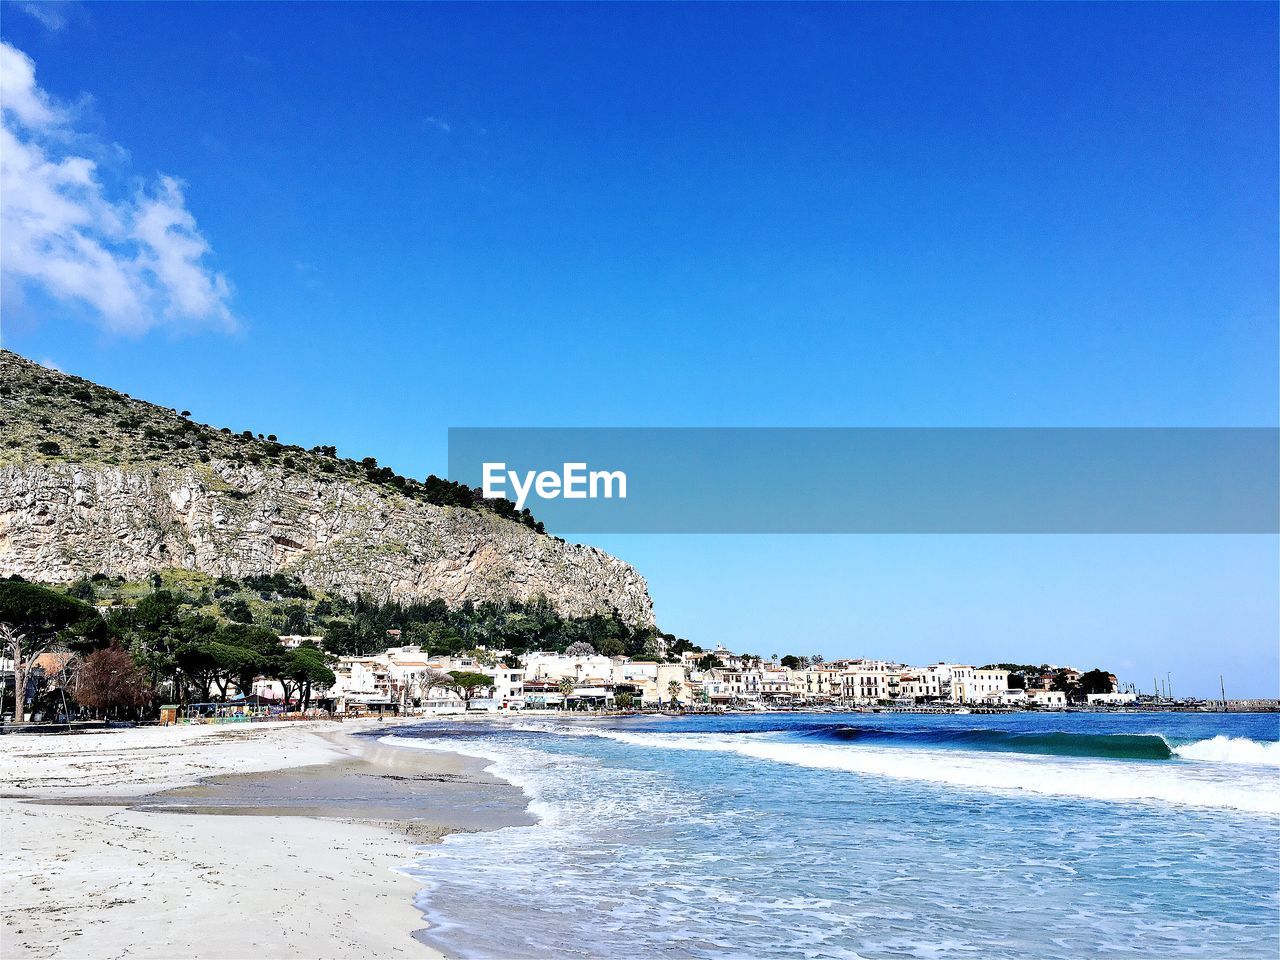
(868, 835)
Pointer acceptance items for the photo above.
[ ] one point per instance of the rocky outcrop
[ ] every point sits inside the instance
(60, 521)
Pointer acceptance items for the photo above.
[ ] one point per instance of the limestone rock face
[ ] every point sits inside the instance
(60, 521)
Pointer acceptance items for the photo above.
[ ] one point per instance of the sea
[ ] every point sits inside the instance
(859, 835)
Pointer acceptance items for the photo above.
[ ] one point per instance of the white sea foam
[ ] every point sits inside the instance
(566, 882)
(1241, 750)
(1194, 785)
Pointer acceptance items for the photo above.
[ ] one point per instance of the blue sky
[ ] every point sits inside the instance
(392, 219)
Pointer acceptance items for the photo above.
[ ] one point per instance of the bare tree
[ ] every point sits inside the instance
(421, 684)
(65, 663)
(12, 640)
(25, 653)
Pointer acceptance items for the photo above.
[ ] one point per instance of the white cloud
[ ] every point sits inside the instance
(18, 91)
(172, 251)
(136, 262)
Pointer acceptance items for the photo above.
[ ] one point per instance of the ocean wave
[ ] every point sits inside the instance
(1192, 785)
(1118, 746)
(1115, 746)
(1054, 743)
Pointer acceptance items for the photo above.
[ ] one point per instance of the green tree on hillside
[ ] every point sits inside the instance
(612, 647)
(82, 589)
(237, 609)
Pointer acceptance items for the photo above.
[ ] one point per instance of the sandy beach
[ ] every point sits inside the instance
(110, 850)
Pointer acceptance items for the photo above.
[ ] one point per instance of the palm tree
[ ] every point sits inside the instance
(673, 691)
(566, 688)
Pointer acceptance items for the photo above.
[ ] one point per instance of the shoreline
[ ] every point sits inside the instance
(218, 842)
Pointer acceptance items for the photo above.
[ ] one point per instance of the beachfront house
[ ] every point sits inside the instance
(976, 684)
(777, 685)
(873, 684)
(361, 683)
(1047, 699)
(1110, 699)
(545, 665)
(818, 683)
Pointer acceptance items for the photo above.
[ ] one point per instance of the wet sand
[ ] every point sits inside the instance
(415, 791)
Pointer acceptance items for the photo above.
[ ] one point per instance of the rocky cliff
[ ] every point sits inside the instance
(93, 481)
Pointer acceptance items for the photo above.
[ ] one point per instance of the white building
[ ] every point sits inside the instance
(541, 665)
(1103, 699)
(973, 685)
(776, 684)
(923, 684)
(1010, 698)
(362, 682)
(819, 682)
(871, 684)
(633, 673)
(1047, 699)
(508, 686)
(291, 641)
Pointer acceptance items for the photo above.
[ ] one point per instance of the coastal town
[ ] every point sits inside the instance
(183, 647)
(406, 679)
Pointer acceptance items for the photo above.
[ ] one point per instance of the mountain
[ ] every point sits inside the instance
(94, 481)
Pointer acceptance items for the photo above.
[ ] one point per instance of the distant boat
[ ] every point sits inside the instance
(964, 710)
